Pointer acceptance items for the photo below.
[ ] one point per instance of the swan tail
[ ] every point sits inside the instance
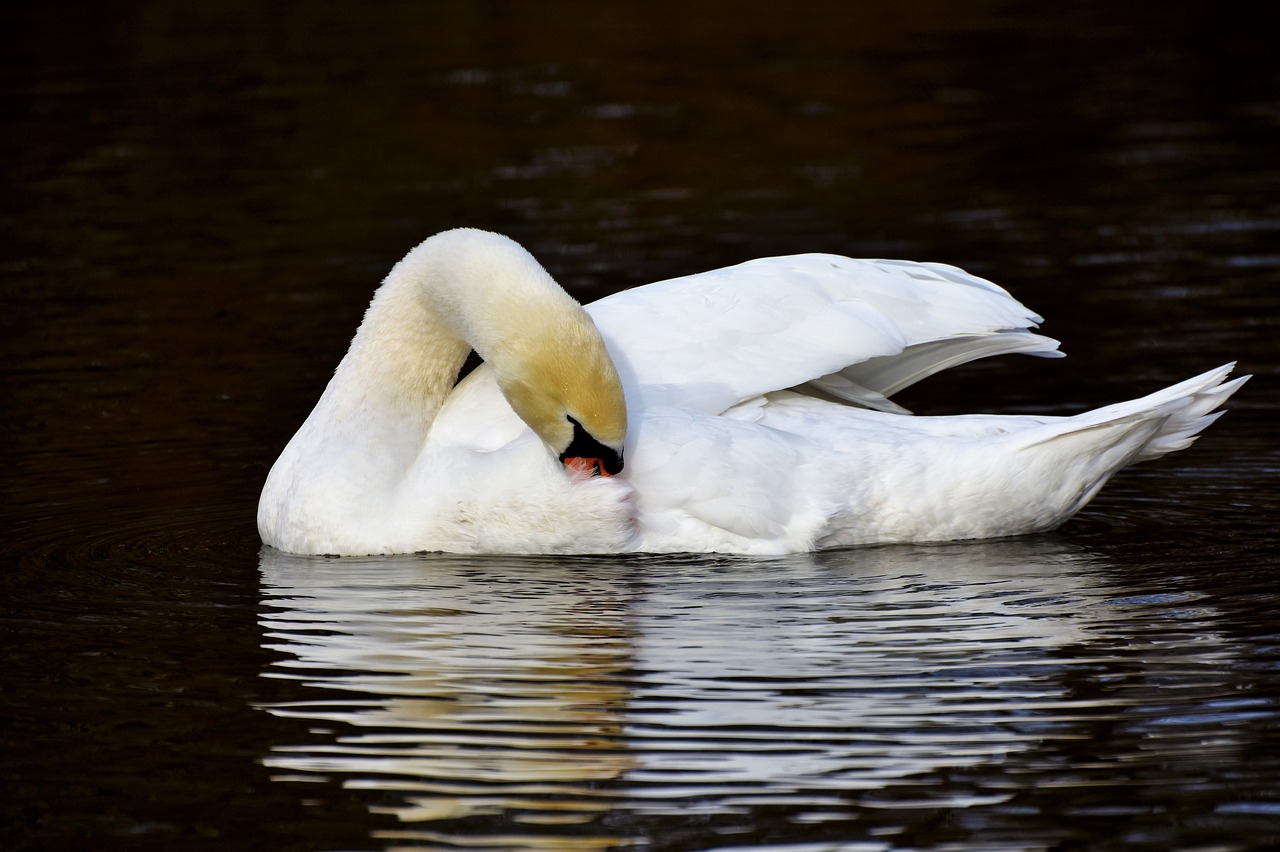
(1151, 426)
(1200, 399)
(1073, 457)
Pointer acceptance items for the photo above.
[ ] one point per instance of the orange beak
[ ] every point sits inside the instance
(591, 467)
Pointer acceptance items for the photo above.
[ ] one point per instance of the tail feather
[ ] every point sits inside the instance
(1178, 413)
(1075, 456)
(1184, 425)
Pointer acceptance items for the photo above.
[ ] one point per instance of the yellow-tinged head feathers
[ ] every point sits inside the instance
(561, 381)
(486, 291)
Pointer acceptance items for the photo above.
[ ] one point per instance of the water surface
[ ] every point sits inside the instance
(992, 695)
(198, 204)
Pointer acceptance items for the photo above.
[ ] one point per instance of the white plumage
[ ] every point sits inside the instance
(758, 415)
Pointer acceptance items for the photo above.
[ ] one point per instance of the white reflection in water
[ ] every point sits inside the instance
(474, 687)
(517, 701)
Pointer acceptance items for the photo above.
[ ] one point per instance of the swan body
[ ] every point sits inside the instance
(744, 410)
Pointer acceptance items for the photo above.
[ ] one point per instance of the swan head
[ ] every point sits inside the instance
(565, 387)
(547, 355)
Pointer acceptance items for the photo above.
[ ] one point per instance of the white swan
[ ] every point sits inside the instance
(743, 410)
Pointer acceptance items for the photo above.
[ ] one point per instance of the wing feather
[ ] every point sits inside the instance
(854, 330)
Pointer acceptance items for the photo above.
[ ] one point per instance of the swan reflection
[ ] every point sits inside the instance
(521, 701)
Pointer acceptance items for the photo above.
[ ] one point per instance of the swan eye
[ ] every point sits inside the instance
(586, 453)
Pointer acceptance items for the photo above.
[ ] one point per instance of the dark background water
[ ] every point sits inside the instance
(198, 202)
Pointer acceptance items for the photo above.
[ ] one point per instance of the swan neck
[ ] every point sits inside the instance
(457, 291)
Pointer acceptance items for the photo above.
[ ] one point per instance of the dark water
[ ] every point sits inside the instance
(198, 202)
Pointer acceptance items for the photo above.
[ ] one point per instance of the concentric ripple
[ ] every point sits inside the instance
(896, 695)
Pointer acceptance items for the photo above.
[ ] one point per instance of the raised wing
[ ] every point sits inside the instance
(854, 330)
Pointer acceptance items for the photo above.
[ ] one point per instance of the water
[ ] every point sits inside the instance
(985, 696)
(198, 204)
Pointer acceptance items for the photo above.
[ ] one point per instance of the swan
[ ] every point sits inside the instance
(743, 410)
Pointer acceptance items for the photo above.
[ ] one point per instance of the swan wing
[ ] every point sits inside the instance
(852, 330)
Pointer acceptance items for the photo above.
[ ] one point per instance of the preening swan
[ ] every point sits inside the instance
(743, 410)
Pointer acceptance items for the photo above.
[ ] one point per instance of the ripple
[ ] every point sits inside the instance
(148, 535)
(837, 689)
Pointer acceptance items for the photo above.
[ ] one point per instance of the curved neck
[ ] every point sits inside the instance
(347, 464)
(456, 291)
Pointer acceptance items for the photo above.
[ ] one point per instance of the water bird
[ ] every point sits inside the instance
(743, 410)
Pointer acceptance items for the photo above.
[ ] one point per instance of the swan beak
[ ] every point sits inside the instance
(590, 467)
(586, 455)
